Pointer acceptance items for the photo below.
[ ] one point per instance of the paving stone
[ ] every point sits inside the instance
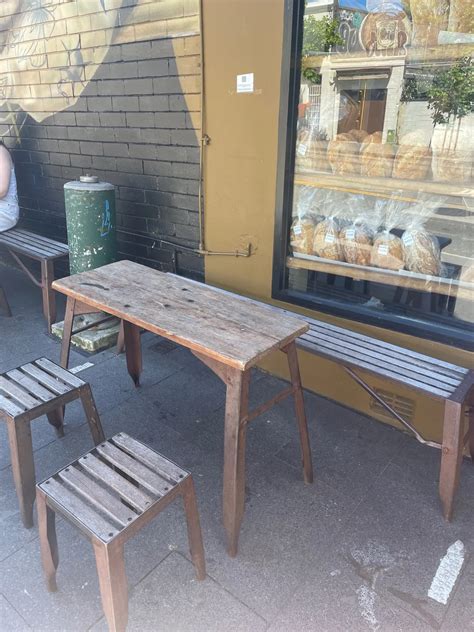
(10, 619)
(460, 614)
(12, 533)
(329, 599)
(171, 599)
(399, 535)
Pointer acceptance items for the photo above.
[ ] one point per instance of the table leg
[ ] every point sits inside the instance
(292, 355)
(67, 331)
(133, 351)
(234, 455)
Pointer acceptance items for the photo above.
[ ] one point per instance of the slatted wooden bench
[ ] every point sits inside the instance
(362, 355)
(27, 392)
(111, 493)
(22, 243)
(446, 382)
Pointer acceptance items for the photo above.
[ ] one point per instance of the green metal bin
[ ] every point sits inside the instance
(90, 219)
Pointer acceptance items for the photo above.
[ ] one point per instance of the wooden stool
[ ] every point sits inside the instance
(34, 389)
(110, 493)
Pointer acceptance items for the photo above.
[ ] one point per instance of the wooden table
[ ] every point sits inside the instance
(227, 333)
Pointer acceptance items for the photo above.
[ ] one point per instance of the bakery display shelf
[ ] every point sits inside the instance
(399, 278)
(385, 187)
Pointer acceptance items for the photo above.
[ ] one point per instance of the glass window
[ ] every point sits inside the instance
(378, 224)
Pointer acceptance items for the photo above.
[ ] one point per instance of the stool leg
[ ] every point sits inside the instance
(48, 541)
(113, 584)
(49, 296)
(196, 547)
(55, 418)
(292, 355)
(92, 415)
(451, 456)
(23, 467)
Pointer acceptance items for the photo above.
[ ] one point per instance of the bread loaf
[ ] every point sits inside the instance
(387, 251)
(421, 252)
(356, 241)
(377, 159)
(452, 166)
(301, 235)
(343, 155)
(326, 242)
(359, 135)
(413, 159)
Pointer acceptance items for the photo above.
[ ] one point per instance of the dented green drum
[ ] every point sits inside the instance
(90, 219)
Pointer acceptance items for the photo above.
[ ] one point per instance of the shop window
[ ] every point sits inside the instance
(376, 217)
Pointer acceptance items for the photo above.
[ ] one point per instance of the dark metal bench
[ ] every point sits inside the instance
(22, 243)
(449, 383)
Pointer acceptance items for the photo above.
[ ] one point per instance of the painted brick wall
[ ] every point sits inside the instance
(109, 87)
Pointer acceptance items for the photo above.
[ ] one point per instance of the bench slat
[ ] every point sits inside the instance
(30, 385)
(18, 246)
(165, 468)
(407, 354)
(97, 495)
(55, 245)
(32, 244)
(337, 355)
(324, 339)
(79, 511)
(133, 468)
(131, 494)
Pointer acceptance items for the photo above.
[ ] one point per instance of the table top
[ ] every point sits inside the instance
(229, 329)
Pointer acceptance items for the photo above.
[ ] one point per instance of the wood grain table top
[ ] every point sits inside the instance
(226, 328)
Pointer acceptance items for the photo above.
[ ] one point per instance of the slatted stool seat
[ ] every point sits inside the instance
(27, 392)
(110, 493)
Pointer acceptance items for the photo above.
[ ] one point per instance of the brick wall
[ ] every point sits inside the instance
(114, 90)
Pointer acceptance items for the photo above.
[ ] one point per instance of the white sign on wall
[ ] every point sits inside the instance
(245, 82)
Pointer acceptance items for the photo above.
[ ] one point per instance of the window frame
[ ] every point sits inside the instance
(289, 97)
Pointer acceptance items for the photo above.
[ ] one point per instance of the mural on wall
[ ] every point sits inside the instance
(51, 49)
(42, 57)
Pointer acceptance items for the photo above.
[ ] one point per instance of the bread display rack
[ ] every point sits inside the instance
(460, 196)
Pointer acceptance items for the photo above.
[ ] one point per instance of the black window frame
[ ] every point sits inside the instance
(289, 98)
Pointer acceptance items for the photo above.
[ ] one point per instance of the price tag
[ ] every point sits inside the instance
(329, 238)
(407, 239)
(302, 149)
(383, 249)
(350, 233)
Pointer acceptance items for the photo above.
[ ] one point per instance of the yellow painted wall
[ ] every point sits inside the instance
(240, 185)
